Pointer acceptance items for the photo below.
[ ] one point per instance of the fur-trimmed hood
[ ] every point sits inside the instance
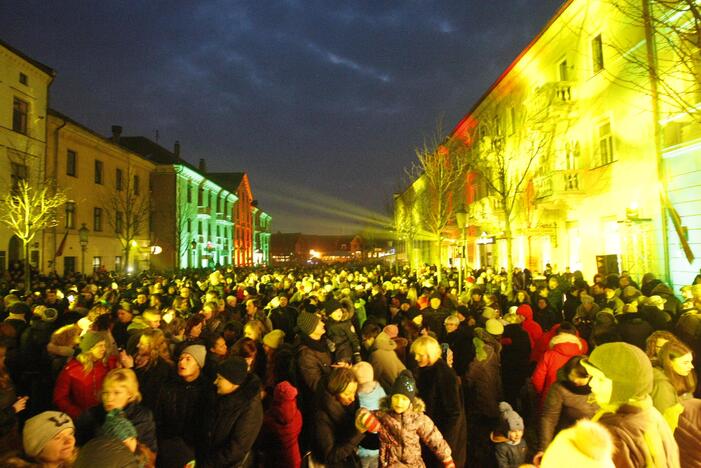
(565, 338)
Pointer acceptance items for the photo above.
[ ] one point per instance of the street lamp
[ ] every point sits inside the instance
(83, 236)
(461, 219)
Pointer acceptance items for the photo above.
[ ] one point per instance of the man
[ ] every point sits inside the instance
(434, 315)
(284, 317)
(253, 312)
(236, 417)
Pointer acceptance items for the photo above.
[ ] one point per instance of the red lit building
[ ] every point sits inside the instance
(237, 183)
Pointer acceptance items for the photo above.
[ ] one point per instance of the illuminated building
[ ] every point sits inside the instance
(237, 183)
(599, 187)
(298, 248)
(261, 236)
(191, 214)
(108, 192)
(24, 89)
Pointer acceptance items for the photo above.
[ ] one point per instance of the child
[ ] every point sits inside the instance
(370, 394)
(343, 340)
(281, 427)
(511, 448)
(402, 426)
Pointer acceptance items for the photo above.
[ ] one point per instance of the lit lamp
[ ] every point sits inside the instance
(461, 219)
(83, 236)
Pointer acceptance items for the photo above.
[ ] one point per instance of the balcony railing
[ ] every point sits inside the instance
(558, 183)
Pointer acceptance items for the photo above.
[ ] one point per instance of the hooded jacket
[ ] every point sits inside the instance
(543, 343)
(562, 348)
(483, 379)
(385, 363)
(530, 326)
(233, 427)
(75, 390)
(282, 424)
(401, 436)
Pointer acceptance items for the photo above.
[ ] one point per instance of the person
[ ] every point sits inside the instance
(586, 445)
(383, 358)
(80, 382)
(566, 402)
(313, 357)
(440, 389)
(340, 332)
(152, 364)
(284, 317)
(116, 447)
(621, 382)
(402, 426)
(48, 439)
(510, 446)
(120, 392)
(282, 424)
(530, 326)
(674, 380)
(370, 393)
(235, 419)
(10, 405)
(336, 438)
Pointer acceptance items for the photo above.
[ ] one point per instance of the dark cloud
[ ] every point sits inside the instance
(330, 96)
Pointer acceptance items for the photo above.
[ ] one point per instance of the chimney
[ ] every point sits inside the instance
(176, 149)
(116, 133)
(202, 166)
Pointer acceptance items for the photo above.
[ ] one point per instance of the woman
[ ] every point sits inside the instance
(522, 297)
(120, 391)
(193, 334)
(440, 389)
(336, 438)
(655, 342)
(10, 405)
(80, 382)
(61, 347)
(253, 354)
(674, 380)
(152, 364)
(567, 401)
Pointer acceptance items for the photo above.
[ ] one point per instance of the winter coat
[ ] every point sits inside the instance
(543, 344)
(672, 305)
(509, 455)
(634, 329)
(515, 361)
(440, 389)
(530, 326)
(385, 363)
(687, 434)
(336, 438)
(106, 452)
(89, 423)
(665, 398)
(282, 425)
(632, 429)
(546, 317)
(284, 318)
(562, 348)
(433, 320)
(401, 436)
(483, 383)
(233, 426)
(460, 343)
(370, 400)
(343, 340)
(313, 363)
(151, 379)
(564, 405)
(76, 391)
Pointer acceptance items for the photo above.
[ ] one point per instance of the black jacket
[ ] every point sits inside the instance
(90, 421)
(336, 439)
(151, 379)
(234, 424)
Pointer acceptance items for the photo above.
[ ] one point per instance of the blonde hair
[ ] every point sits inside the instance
(125, 378)
(155, 339)
(67, 335)
(427, 345)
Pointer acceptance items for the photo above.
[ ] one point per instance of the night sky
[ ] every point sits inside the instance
(321, 102)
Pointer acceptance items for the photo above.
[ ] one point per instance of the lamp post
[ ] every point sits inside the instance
(461, 219)
(83, 236)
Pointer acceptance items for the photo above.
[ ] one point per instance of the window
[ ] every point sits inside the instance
(118, 179)
(189, 193)
(200, 197)
(605, 139)
(71, 163)
(118, 263)
(189, 226)
(19, 116)
(137, 181)
(23, 79)
(70, 215)
(562, 73)
(19, 173)
(97, 219)
(98, 171)
(597, 54)
(118, 222)
(96, 263)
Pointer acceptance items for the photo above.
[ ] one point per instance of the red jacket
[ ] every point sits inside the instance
(282, 425)
(76, 391)
(562, 348)
(530, 326)
(543, 344)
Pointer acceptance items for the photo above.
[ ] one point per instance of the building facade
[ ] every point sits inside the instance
(238, 183)
(261, 236)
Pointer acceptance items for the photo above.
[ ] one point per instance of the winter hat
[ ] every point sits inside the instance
(118, 426)
(233, 369)
(391, 330)
(307, 322)
(90, 339)
(274, 339)
(513, 318)
(20, 308)
(494, 327)
(585, 445)
(49, 314)
(489, 313)
(627, 366)
(198, 353)
(586, 298)
(656, 301)
(284, 391)
(611, 282)
(629, 294)
(365, 376)
(511, 418)
(42, 428)
(332, 305)
(405, 385)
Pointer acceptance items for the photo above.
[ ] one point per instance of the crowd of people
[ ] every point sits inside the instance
(350, 366)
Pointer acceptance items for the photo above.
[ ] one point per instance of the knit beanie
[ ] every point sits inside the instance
(90, 339)
(274, 339)
(489, 313)
(365, 376)
(118, 426)
(494, 327)
(585, 445)
(306, 322)
(511, 418)
(42, 428)
(391, 330)
(198, 353)
(405, 385)
(627, 366)
(233, 369)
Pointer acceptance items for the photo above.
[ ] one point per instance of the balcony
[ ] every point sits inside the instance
(555, 100)
(558, 184)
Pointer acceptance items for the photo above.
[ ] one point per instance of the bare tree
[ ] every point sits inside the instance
(29, 210)
(127, 210)
(183, 232)
(441, 164)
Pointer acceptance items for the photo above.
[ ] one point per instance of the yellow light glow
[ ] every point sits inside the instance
(134, 243)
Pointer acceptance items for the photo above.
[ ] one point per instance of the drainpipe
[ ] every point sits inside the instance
(54, 184)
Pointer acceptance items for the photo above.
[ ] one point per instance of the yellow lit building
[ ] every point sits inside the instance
(24, 88)
(108, 192)
(574, 113)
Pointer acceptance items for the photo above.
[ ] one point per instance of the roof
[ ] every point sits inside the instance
(151, 150)
(45, 68)
(229, 180)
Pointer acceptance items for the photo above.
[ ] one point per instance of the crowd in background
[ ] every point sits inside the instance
(350, 366)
